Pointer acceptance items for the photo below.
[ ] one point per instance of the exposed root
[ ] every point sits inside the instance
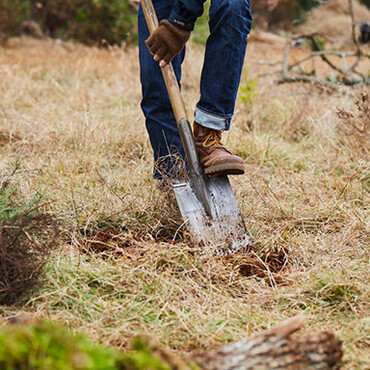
(265, 265)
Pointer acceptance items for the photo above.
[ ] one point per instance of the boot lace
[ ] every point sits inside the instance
(212, 140)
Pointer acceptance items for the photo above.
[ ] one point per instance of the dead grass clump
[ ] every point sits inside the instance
(289, 119)
(354, 128)
(105, 239)
(161, 223)
(171, 167)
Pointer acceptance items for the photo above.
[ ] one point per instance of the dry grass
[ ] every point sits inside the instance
(71, 125)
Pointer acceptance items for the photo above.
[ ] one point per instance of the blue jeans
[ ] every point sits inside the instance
(230, 23)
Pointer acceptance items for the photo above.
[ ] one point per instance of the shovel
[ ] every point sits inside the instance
(207, 204)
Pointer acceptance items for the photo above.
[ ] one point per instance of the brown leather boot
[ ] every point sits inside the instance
(214, 157)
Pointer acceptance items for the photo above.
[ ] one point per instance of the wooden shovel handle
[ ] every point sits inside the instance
(169, 76)
(197, 178)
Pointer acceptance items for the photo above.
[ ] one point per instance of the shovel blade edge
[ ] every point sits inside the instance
(223, 232)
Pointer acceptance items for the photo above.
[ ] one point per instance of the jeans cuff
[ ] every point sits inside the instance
(212, 121)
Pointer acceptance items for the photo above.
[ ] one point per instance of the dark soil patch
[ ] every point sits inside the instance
(269, 265)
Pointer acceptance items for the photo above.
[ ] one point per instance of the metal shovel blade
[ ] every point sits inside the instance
(223, 232)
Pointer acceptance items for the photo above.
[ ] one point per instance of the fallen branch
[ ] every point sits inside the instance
(323, 55)
(345, 71)
(321, 83)
(343, 55)
(266, 37)
(276, 349)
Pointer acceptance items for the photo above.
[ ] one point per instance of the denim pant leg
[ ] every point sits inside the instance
(160, 120)
(230, 23)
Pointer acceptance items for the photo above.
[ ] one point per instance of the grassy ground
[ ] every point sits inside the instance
(71, 129)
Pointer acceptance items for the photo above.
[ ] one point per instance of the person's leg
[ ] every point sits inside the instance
(230, 23)
(160, 120)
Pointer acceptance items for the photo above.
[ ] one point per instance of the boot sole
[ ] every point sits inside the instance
(225, 169)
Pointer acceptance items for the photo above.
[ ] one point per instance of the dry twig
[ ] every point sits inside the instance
(317, 51)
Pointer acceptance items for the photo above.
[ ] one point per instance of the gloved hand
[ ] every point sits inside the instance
(166, 42)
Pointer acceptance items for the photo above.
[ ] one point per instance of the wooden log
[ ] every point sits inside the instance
(276, 349)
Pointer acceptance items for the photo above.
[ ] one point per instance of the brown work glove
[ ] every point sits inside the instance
(166, 42)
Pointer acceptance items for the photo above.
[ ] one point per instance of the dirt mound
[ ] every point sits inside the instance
(332, 21)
